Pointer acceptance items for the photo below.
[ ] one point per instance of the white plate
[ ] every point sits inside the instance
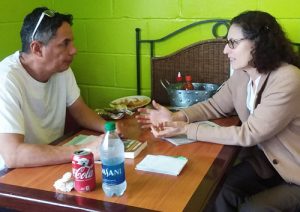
(130, 102)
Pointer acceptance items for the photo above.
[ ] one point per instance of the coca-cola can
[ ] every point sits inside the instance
(83, 169)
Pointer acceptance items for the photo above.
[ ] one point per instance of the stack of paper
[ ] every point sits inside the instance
(182, 139)
(132, 147)
(179, 140)
(162, 164)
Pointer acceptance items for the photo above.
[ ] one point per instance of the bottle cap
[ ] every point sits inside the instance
(188, 78)
(109, 126)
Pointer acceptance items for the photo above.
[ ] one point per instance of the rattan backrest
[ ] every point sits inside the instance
(204, 61)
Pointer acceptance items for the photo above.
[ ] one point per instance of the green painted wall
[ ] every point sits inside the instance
(105, 34)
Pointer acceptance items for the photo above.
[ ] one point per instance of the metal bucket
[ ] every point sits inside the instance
(185, 98)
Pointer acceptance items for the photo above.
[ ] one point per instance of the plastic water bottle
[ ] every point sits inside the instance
(112, 158)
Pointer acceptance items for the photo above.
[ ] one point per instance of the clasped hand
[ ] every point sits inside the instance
(161, 121)
(169, 129)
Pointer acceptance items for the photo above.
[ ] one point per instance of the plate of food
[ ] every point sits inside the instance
(130, 102)
(108, 114)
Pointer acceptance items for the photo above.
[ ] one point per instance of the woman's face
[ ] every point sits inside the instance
(240, 52)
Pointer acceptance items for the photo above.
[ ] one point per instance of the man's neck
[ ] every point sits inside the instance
(33, 68)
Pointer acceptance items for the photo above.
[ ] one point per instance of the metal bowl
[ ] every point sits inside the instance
(185, 98)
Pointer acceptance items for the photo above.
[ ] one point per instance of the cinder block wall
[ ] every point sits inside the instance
(104, 31)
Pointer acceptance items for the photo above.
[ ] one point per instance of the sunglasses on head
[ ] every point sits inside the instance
(49, 13)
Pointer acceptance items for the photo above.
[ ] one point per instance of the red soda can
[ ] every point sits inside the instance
(83, 169)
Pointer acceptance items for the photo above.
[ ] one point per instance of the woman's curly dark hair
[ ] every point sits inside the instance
(272, 47)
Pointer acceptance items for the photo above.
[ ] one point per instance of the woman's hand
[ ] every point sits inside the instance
(148, 117)
(169, 129)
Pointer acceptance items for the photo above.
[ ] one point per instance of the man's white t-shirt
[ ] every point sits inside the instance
(34, 109)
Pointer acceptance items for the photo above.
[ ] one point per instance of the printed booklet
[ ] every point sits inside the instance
(132, 147)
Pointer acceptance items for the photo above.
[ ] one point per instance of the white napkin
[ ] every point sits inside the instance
(2, 163)
(162, 164)
(65, 184)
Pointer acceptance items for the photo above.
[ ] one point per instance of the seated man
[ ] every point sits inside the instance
(37, 85)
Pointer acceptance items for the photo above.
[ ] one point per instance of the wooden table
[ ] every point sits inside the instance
(31, 189)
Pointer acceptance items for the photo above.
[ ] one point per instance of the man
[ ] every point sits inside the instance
(36, 86)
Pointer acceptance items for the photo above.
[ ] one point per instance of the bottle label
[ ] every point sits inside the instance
(113, 175)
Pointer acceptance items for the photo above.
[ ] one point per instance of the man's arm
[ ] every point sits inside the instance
(85, 116)
(18, 154)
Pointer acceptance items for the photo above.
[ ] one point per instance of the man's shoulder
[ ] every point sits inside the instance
(10, 58)
(10, 63)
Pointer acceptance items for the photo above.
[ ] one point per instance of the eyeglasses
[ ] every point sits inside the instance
(233, 43)
(49, 13)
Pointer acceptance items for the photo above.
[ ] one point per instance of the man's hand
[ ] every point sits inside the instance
(94, 146)
(148, 117)
(169, 129)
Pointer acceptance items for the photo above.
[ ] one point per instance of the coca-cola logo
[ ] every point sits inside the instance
(83, 172)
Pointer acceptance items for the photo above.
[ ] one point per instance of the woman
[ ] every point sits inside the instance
(264, 92)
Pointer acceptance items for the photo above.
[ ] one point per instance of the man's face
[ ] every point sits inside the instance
(59, 52)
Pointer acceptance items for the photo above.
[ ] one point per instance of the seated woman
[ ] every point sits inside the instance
(264, 92)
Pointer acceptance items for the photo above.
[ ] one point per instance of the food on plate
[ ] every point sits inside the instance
(130, 102)
(106, 114)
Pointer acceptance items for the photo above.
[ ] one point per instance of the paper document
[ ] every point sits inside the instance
(179, 140)
(182, 139)
(162, 164)
(81, 139)
(132, 147)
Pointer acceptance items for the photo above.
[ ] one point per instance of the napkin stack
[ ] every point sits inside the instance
(162, 164)
(65, 184)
